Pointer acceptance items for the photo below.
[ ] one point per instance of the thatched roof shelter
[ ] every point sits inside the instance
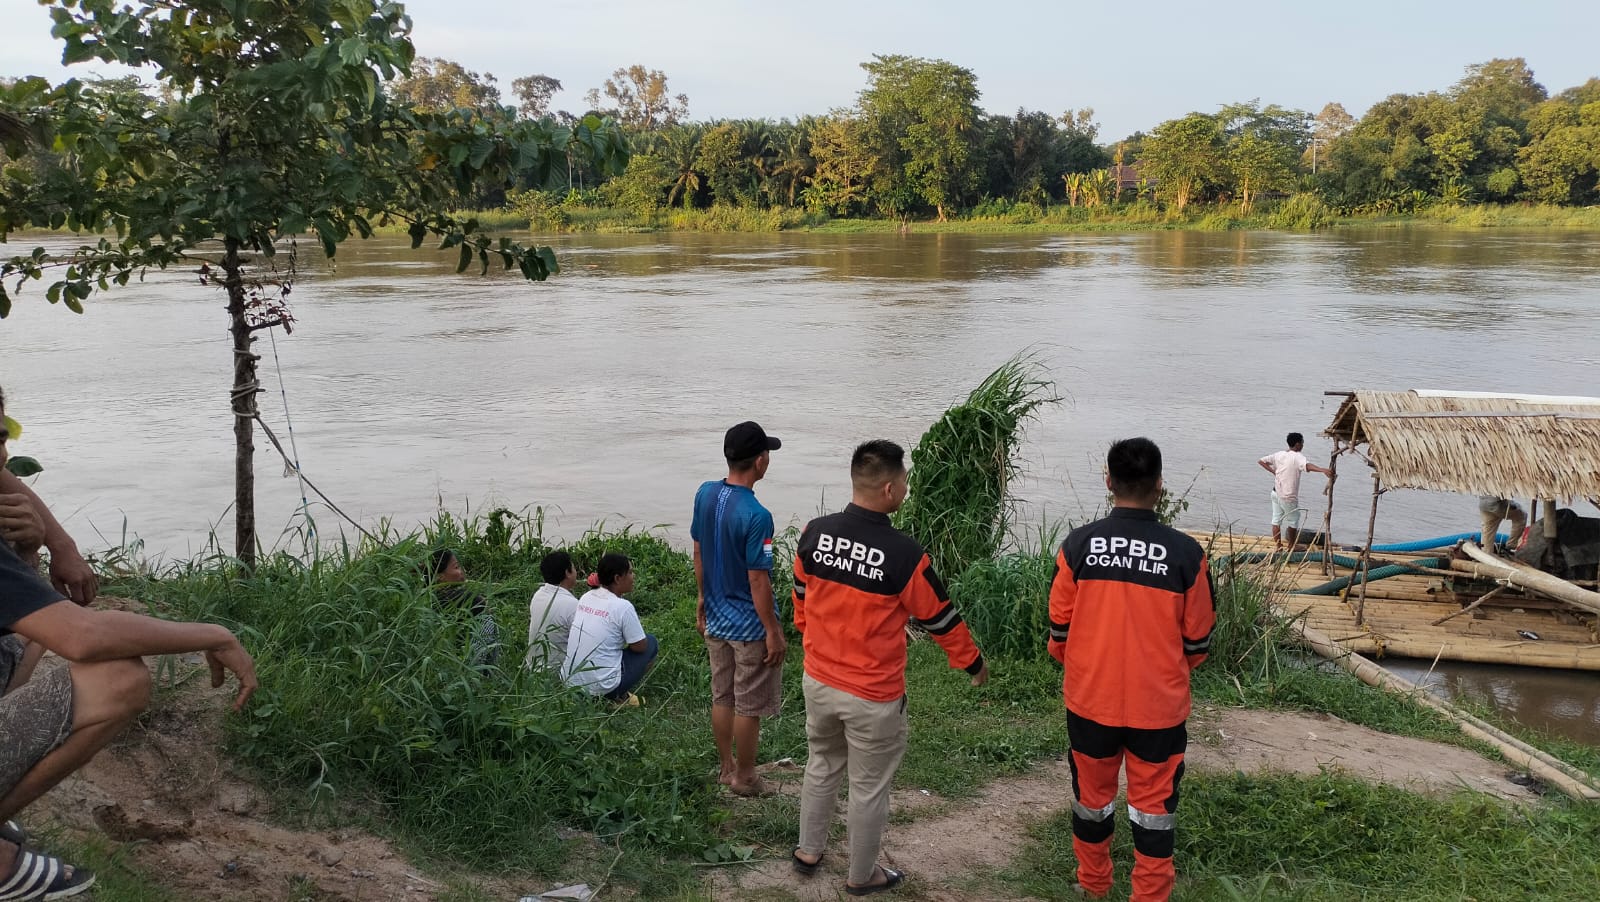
(1514, 446)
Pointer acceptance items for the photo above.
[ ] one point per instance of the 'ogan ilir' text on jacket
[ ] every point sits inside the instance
(1131, 614)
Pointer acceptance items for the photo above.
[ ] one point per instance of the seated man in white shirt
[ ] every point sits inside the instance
(608, 651)
(551, 611)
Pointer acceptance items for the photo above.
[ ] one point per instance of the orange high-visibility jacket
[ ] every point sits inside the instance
(857, 581)
(1131, 614)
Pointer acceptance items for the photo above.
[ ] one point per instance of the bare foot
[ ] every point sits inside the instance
(751, 789)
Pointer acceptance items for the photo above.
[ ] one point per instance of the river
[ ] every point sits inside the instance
(603, 394)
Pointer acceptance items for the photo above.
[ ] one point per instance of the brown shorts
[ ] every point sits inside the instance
(739, 679)
(35, 718)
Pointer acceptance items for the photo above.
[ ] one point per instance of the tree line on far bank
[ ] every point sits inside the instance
(916, 143)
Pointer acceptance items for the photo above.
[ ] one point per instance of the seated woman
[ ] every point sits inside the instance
(447, 575)
(608, 651)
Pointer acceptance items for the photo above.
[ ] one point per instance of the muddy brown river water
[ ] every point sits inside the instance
(602, 394)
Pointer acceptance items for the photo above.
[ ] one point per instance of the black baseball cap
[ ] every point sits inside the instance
(747, 440)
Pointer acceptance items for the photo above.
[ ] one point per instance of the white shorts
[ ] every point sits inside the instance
(1286, 513)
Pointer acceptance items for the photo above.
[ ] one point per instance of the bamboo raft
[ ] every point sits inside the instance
(1422, 615)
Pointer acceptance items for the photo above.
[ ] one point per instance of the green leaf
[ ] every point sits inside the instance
(418, 231)
(23, 466)
(352, 51)
(549, 258)
(466, 258)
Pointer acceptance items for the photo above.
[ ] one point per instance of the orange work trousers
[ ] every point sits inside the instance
(1154, 760)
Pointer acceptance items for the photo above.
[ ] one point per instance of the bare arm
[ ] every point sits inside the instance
(20, 524)
(1267, 466)
(70, 573)
(638, 647)
(699, 591)
(86, 636)
(761, 596)
(1316, 469)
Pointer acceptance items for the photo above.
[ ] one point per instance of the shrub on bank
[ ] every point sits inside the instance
(1303, 212)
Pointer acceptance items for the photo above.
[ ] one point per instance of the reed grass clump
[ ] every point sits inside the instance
(1006, 604)
(961, 469)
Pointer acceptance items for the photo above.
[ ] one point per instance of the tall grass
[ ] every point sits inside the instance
(1331, 839)
(366, 692)
(962, 468)
(1006, 604)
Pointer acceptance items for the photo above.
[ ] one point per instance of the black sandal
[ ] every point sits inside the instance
(38, 876)
(891, 879)
(805, 868)
(12, 832)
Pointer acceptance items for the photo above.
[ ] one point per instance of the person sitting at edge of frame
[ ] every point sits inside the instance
(56, 719)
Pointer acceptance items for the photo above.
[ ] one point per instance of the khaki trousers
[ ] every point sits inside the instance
(866, 738)
(1491, 524)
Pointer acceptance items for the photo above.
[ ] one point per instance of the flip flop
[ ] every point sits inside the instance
(12, 832)
(891, 879)
(805, 868)
(757, 790)
(36, 876)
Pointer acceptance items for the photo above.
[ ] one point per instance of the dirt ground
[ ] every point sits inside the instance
(939, 852)
(165, 788)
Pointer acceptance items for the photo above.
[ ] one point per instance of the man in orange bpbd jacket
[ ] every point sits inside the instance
(857, 581)
(1131, 615)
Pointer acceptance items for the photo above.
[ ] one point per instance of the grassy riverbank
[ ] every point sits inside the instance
(1299, 213)
(369, 713)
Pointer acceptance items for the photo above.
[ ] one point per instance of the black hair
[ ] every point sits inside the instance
(612, 566)
(877, 461)
(1296, 438)
(438, 561)
(743, 464)
(555, 566)
(1134, 466)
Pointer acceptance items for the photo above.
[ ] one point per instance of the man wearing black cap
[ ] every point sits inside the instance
(737, 614)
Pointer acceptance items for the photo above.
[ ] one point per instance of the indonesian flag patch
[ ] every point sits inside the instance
(766, 548)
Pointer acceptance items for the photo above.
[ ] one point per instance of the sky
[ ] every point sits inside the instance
(1135, 64)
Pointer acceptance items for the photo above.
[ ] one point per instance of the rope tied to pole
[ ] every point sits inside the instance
(288, 466)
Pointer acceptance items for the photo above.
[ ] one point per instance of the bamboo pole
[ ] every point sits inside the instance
(1327, 515)
(1525, 577)
(1570, 780)
(1471, 607)
(1366, 550)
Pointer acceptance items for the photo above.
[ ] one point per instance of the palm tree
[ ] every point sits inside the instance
(792, 163)
(1097, 187)
(757, 147)
(1075, 186)
(681, 149)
